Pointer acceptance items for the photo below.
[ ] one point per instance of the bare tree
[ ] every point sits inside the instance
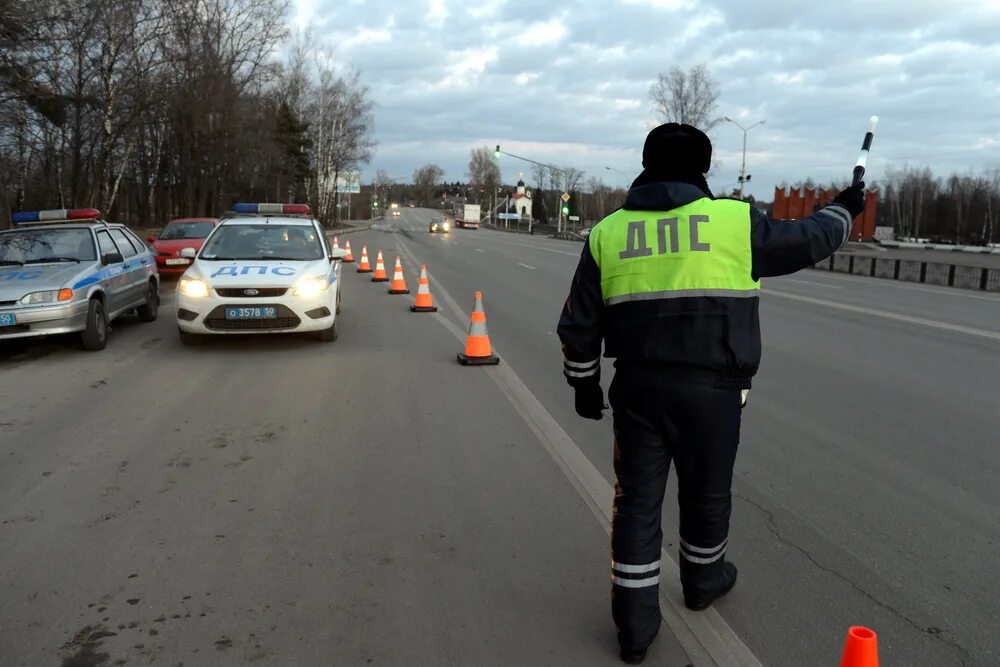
(690, 97)
(571, 178)
(484, 172)
(425, 178)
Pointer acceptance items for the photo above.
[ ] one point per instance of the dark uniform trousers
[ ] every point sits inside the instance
(663, 414)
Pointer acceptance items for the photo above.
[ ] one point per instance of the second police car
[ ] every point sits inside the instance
(69, 271)
(266, 268)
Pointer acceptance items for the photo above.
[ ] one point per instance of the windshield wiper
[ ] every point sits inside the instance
(45, 260)
(10, 262)
(287, 259)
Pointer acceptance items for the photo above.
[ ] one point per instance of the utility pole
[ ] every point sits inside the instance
(743, 168)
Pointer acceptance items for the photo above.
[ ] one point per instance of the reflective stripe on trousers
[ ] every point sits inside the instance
(661, 418)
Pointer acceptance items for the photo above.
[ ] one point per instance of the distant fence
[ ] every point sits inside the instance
(917, 271)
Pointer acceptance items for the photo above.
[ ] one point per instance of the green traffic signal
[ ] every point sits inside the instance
(375, 204)
(496, 153)
(565, 210)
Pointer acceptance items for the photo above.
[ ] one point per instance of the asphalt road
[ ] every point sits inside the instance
(276, 500)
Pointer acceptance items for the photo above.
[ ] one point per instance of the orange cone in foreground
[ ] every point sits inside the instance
(478, 351)
(336, 243)
(364, 266)
(425, 302)
(398, 281)
(380, 275)
(861, 648)
(349, 257)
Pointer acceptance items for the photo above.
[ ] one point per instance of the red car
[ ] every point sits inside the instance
(177, 235)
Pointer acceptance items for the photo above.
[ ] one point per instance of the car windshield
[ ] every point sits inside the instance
(40, 245)
(264, 241)
(186, 230)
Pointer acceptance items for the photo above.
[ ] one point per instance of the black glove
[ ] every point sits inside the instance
(853, 199)
(590, 401)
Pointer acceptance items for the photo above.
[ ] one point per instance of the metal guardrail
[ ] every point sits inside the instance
(918, 271)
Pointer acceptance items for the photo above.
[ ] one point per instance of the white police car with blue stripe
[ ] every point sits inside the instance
(67, 271)
(266, 268)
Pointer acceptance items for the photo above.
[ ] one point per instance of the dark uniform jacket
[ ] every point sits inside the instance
(706, 335)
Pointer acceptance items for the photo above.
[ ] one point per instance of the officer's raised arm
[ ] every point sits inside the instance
(581, 332)
(781, 247)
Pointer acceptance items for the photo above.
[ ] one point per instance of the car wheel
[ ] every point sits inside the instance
(188, 338)
(148, 311)
(328, 335)
(95, 336)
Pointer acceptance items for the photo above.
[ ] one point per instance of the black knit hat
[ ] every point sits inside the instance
(673, 149)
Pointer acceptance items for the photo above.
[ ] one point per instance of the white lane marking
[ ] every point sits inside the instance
(902, 284)
(807, 282)
(480, 250)
(934, 324)
(529, 245)
(526, 266)
(705, 636)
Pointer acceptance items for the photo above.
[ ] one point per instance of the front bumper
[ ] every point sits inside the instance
(45, 320)
(295, 314)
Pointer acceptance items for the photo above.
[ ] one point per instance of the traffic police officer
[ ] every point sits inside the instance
(670, 283)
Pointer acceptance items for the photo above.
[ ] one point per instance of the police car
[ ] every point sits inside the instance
(266, 268)
(67, 271)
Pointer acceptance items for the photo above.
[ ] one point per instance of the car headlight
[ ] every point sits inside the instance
(48, 296)
(312, 286)
(193, 287)
(445, 226)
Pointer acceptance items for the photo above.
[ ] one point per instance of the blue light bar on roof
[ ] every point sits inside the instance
(272, 209)
(55, 215)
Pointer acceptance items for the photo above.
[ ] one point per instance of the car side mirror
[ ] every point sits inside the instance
(112, 258)
(337, 253)
(189, 253)
(151, 238)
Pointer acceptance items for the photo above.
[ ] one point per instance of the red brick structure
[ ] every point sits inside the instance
(794, 204)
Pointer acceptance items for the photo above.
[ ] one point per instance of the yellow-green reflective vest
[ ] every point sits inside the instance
(701, 249)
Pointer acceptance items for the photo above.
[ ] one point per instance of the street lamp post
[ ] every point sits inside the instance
(743, 167)
(497, 153)
(618, 171)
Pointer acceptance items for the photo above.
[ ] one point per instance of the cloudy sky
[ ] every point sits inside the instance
(568, 82)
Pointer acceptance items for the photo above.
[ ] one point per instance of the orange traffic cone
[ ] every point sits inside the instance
(478, 351)
(364, 266)
(398, 281)
(336, 243)
(380, 276)
(861, 648)
(425, 302)
(349, 257)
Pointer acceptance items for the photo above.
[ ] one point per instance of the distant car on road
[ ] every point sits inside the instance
(585, 232)
(442, 225)
(68, 271)
(174, 237)
(268, 268)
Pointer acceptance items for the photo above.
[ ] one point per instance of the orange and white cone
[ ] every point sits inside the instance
(478, 351)
(380, 275)
(336, 243)
(398, 281)
(364, 266)
(425, 302)
(349, 257)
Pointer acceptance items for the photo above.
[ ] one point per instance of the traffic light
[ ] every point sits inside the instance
(496, 153)
(565, 209)
(375, 204)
